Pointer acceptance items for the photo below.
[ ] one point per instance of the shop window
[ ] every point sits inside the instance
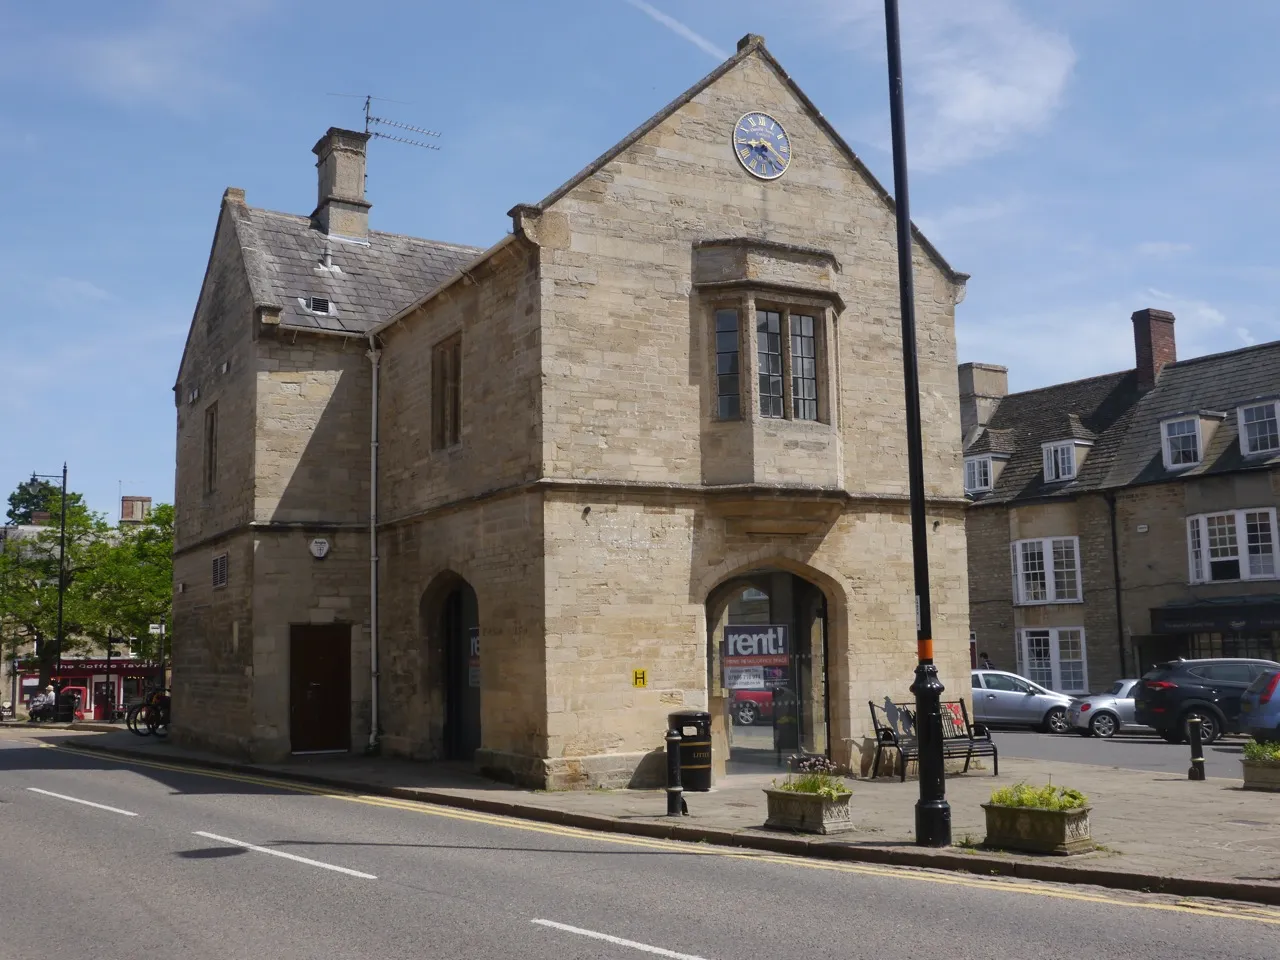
(1046, 571)
(446, 393)
(1235, 545)
(728, 373)
(1054, 658)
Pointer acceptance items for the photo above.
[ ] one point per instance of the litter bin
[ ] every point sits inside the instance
(695, 747)
(68, 704)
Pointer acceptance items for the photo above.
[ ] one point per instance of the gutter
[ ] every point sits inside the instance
(1115, 573)
(375, 358)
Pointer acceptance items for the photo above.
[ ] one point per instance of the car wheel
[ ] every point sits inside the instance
(1103, 725)
(746, 712)
(1209, 727)
(1055, 721)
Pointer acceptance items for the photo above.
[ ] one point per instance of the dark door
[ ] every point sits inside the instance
(462, 669)
(320, 687)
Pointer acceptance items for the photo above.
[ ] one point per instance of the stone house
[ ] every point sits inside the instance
(647, 452)
(1126, 519)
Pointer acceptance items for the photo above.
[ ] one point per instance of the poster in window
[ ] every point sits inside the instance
(473, 657)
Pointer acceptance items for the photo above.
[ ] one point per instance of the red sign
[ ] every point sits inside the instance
(756, 646)
(77, 668)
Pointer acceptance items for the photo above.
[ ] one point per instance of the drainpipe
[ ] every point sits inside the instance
(375, 356)
(1115, 572)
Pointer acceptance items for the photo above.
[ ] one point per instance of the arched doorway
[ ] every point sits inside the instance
(452, 622)
(767, 661)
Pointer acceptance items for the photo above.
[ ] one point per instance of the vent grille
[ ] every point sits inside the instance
(220, 570)
(318, 304)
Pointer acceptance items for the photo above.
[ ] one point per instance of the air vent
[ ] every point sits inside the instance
(220, 570)
(318, 304)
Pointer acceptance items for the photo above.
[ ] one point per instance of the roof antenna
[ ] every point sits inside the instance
(370, 120)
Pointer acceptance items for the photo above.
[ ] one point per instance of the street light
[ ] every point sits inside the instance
(32, 486)
(933, 813)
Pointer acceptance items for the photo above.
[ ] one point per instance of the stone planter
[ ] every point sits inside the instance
(1261, 776)
(1038, 831)
(808, 812)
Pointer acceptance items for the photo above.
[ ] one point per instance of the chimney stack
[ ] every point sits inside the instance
(982, 387)
(341, 209)
(1153, 344)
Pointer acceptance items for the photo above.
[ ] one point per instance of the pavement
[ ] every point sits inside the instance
(198, 863)
(1156, 829)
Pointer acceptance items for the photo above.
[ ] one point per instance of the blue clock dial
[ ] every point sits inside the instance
(762, 146)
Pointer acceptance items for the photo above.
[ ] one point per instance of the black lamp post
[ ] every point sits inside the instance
(62, 549)
(933, 813)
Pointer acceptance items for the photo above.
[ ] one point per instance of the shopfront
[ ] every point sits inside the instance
(1231, 627)
(107, 683)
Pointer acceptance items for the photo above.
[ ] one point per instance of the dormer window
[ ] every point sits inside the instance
(1181, 442)
(1259, 429)
(1059, 461)
(977, 474)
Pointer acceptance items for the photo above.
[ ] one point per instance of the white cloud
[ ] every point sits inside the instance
(680, 29)
(953, 220)
(170, 59)
(978, 75)
(1162, 249)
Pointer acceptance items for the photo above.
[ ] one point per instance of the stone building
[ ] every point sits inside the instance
(647, 452)
(1125, 519)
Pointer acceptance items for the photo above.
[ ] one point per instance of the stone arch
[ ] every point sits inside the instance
(449, 623)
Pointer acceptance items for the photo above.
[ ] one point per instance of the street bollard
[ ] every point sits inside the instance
(1197, 750)
(676, 806)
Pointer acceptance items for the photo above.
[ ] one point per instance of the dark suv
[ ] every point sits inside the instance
(1171, 694)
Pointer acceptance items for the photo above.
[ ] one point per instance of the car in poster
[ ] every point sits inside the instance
(748, 707)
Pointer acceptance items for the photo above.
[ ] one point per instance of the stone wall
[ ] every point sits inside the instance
(626, 355)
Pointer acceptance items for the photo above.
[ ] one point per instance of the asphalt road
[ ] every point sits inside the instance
(102, 858)
(1131, 751)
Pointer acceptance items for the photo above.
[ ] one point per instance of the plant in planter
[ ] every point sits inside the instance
(1044, 819)
(812, 799)
(1261, 764)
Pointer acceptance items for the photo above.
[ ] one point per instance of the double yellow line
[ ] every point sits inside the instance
(1243, 911)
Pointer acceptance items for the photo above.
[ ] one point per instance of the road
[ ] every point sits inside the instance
(1136, 751)
(100, 854)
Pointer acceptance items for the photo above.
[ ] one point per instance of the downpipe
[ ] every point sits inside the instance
(375, 358)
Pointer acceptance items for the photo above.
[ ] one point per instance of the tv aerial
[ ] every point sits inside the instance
(371, 123)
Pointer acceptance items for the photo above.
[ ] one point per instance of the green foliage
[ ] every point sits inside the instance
(1047, 797)
(36, 495)
(1262, 752)
(814, 775)
(116, 582)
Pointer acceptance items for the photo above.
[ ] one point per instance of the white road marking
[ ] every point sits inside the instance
(287, 856)
(87, 803)
(634, 945)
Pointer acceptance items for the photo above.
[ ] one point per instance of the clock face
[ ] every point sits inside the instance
(762, 146)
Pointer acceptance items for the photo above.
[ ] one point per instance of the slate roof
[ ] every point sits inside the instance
(1220, 382)
(285, 256)
(1096, 410)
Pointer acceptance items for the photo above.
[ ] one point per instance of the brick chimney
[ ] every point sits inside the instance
(982, 387)
(1153, 344)
(341, 209)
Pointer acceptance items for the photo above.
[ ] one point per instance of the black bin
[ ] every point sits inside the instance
(695, 747)
(68, 703)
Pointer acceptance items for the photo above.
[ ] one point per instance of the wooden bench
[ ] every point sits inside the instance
(895, 727)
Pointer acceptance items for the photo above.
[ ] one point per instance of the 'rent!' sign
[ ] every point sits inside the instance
(755, 645)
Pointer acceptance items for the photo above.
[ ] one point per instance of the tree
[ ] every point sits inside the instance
(132, 582)
(36, 495)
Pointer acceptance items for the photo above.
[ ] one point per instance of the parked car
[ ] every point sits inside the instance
(1260, 707)
(751, 706)
(1007, 699)
(1172, 693)
(1104, 714)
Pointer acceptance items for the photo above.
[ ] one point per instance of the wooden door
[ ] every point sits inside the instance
(320, 687)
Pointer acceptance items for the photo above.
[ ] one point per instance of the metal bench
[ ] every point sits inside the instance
(895, 728)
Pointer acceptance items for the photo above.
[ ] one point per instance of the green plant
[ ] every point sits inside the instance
(1047, 797)
(815, 775)
(967, 842)
(1262, 752)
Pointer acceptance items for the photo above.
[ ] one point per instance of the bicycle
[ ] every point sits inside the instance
(151, 716)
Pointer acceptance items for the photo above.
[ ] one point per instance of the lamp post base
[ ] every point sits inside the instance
(933, 823)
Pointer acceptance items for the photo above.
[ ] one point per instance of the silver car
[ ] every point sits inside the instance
(1104, 714)
(1007, 699)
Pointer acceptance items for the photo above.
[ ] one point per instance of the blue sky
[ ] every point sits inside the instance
(1081, 160)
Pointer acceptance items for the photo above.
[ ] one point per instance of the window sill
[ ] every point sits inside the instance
(1210, 583)
(1047, 603)
(1179, 467)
